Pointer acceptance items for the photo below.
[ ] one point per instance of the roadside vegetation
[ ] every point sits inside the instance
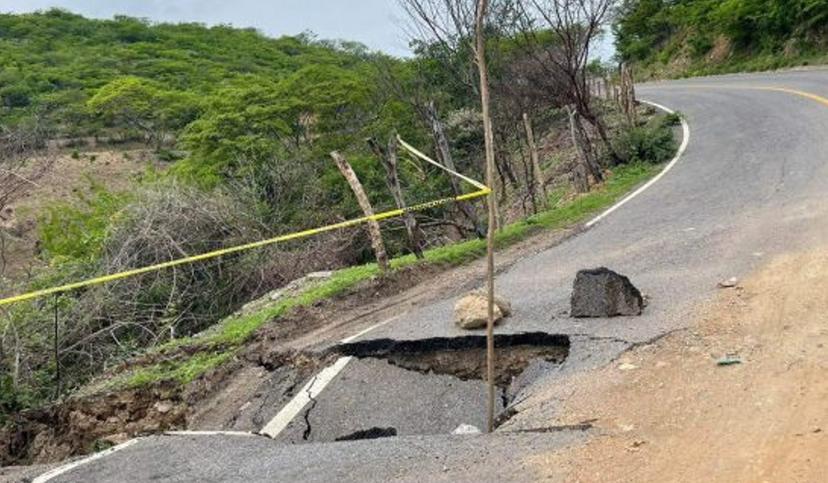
(702, 37)
(244, 126)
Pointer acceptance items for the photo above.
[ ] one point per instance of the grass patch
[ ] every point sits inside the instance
(181, 371)
(221, 342)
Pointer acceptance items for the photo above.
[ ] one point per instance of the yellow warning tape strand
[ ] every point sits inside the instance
(483, 191)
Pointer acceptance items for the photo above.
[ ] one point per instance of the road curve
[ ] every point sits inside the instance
(751, 184)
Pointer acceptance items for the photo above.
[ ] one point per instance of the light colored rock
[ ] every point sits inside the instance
(729, 283)
(627, 367)
(163, 407)
(472, 312)
(466, 429)
(504, 305)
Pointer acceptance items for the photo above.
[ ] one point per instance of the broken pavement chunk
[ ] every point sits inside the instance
(604, 293)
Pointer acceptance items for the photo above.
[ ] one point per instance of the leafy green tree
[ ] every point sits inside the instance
(146, 107)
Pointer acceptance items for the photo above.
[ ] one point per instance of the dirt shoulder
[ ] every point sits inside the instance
(670, 412)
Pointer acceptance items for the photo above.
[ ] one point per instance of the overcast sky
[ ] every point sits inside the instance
(375, 23)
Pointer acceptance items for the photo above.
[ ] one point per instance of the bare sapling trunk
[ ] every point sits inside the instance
(388, 158)
(373, 226)
(480, 55)
(444, 153)
(539, 185)
(584, 147)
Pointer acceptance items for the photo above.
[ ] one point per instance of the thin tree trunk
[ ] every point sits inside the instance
(444, 152)
(480, 52)
(531, 195)
(628, 95)
(373, 226)
(581, 142)
(540, 186)
(388, 157)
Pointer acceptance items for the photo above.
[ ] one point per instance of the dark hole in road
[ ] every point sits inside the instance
(373, 433)
(464, 357)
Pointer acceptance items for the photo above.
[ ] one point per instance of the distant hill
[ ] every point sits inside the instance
(56, 59)
(670, 38)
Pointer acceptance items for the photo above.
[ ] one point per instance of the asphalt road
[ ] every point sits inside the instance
(751, 184)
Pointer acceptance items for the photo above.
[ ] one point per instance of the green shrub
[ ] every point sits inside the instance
(651, 143)
(77, 230)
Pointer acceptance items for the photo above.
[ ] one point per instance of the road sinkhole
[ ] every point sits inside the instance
(414, 387)
(464, 357)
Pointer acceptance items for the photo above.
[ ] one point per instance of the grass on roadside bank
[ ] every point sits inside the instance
(734, 65)
(220, 343)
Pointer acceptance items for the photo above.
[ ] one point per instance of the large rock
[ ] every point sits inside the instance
(604, 293)
(472, 311)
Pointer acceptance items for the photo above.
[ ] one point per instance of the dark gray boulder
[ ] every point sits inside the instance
(604, 293)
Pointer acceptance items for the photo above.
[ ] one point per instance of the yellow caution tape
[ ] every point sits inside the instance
(483, 191)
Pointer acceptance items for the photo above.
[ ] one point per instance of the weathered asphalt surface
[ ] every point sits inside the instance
(752, 184)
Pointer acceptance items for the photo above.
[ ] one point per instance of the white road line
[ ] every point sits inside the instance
(67, 467)
(369, 329)
(686, 132)
(209, 433)
(308, 393)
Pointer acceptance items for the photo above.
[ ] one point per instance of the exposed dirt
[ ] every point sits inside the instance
(679, 410)
(60, 431)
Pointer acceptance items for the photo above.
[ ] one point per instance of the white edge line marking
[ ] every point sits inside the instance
(308, 392)
(68, 467)
(369, 329)
(686, 133)
(209, 433)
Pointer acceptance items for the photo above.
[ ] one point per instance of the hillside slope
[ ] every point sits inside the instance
(697, 37)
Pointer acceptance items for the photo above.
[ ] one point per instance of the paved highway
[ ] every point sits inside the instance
(751, 184)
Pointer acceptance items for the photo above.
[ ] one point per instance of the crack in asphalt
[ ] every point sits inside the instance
(603, 338)
(306, 434)
(582, 426)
